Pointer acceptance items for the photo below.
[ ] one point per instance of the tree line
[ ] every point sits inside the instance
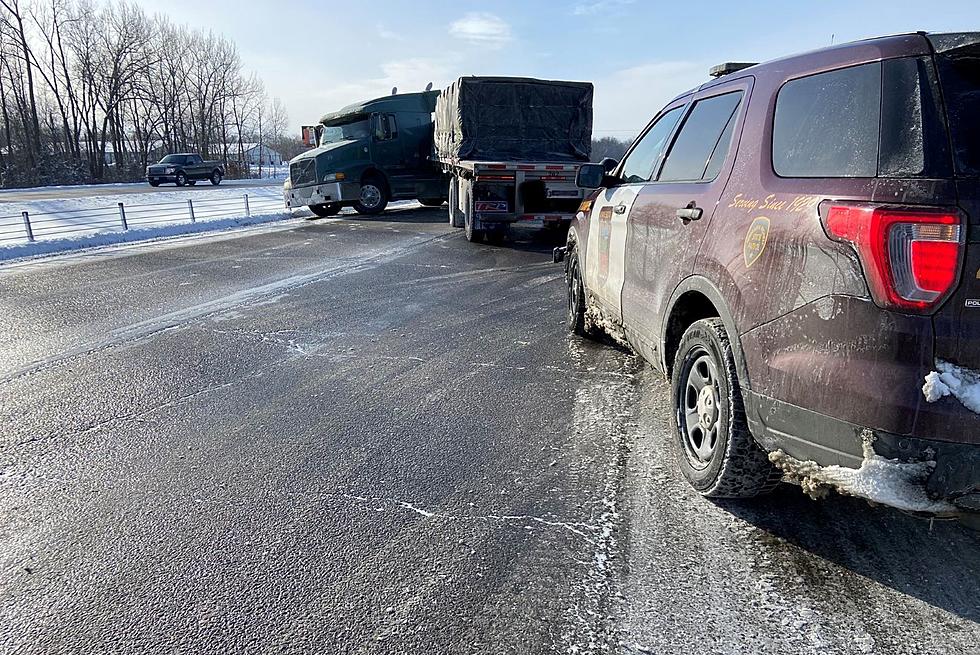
(94, 91)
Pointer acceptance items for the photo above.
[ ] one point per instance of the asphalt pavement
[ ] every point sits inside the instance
(370, 436)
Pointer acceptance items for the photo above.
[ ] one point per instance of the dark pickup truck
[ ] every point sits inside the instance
(183, 169)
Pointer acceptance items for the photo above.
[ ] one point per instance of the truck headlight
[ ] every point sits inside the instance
(169, 171)
(334, 177)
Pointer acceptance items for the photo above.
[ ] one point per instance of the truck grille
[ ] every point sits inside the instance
(303, 172)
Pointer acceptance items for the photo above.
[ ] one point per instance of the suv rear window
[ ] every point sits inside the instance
(826, 125)
(959, 73)
(881, 119)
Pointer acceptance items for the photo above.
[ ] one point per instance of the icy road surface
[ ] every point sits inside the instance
(373, 437)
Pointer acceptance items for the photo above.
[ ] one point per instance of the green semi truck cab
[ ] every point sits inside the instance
(368, 154)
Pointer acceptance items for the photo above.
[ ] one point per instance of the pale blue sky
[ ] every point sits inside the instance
(319, 56)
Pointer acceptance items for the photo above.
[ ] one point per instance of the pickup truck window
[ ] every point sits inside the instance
(173, 159)
(193, 159)
(640, 162)
(700, 135)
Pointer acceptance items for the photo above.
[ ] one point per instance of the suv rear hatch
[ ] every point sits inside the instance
(957, 323)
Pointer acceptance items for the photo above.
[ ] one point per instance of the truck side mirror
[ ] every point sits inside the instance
(590, 176)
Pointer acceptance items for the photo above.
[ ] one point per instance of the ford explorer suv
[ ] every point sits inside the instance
(183, 169)
(796, 245)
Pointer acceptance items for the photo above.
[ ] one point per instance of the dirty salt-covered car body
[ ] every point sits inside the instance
(796, 244)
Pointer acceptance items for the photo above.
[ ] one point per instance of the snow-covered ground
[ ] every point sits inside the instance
(71, 223)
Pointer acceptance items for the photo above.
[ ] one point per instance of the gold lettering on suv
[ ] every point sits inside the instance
(755, 240)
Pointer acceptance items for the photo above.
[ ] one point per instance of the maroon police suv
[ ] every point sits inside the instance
(796, 245)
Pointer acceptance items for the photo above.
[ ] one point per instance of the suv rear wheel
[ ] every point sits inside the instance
(715, 449)
(216, 178)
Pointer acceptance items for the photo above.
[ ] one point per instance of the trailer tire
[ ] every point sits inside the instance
(456, 218)
(472, 234)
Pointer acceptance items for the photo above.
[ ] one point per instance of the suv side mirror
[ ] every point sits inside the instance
(590, 176)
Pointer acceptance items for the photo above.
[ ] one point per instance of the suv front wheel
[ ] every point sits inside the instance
(715, 449)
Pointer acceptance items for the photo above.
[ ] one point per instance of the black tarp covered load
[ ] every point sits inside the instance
(514, 119)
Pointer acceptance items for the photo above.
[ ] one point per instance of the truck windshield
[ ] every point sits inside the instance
(358, 129)
(173, 159)
(959, 74)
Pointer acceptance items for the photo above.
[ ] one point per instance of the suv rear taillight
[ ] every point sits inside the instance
(911, 257)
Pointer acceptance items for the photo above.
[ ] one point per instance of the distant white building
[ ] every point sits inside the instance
(255, 154)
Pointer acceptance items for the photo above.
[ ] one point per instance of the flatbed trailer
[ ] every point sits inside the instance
(486, 197)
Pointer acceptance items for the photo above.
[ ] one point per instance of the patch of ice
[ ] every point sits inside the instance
(886, 481)
(952, 380)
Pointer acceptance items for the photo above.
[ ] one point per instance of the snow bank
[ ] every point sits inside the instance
(50, 246)
(886, 481)
(952, 380)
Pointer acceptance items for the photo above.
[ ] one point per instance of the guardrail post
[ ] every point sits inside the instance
(248, 212)
(122, 217)
(190, 208)
(27, 226)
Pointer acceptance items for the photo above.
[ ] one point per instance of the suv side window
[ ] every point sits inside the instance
(702, 144)
(645, 155)
(827, 125)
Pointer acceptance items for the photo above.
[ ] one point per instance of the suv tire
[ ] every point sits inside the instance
(577, 321)
(374, 196)
(715, 450)
(215, 178)
(181, 178)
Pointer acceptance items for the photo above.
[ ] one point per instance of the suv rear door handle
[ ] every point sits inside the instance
(690, 213)
(620, 209)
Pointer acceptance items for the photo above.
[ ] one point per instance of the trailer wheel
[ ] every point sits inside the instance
(456, 218)
(472, 234)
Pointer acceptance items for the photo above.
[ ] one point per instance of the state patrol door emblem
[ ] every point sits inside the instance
(755, 240)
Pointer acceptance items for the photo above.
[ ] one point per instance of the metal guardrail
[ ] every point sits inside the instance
(34, 226)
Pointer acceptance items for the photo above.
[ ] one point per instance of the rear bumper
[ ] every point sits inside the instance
(321, 194)
(490, 220)
(828, 441)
